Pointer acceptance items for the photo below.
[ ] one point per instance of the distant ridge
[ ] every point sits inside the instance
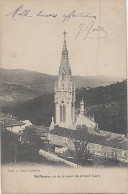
(23, 85)
(40, 79)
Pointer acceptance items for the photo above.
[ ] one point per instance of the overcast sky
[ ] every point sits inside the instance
(35, 42)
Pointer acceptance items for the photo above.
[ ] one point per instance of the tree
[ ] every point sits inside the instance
(82, 152)
(30, 144)
(9, 145)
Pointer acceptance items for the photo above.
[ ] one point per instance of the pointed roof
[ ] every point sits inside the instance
(64, 66)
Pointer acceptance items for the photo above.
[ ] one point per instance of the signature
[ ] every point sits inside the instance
(91, 32)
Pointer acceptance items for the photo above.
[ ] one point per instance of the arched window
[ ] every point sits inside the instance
(63, 76)
(63, 113)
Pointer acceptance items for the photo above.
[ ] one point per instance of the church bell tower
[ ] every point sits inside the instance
(65, 93)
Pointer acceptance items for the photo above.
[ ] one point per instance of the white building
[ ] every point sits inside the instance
(65, 98)
(83, 120)
(10, 123)
(27, 123)
(13, 125)
(65, 93)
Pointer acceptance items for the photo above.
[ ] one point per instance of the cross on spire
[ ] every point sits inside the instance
(64, 33)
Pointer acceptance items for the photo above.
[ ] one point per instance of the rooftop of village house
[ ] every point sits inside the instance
(10, 121)
(100, 137)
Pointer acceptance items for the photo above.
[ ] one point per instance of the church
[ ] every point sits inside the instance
(65, 98)
(68, 127)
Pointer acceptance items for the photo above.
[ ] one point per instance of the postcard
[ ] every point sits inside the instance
(63, 96)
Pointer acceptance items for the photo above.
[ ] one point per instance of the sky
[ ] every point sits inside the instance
(32, 39)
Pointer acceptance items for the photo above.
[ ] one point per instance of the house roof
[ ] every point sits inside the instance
(97, 138)
(44, 139)
(41, 130)
(83, 116)
(10, 122)
(27, 122)
(52, 145)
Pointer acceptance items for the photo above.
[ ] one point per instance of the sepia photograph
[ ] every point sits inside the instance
(63, 93)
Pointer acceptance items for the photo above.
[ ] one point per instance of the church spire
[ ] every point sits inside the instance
(65, 68)
(64, 93)
(64, 33)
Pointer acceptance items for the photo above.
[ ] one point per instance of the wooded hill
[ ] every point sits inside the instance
(108, 104)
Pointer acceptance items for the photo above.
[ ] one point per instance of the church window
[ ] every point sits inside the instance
(62, 114)
(62, 86)
(62, 76)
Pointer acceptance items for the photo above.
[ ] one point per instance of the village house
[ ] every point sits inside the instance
(103, 144)
(11, 124)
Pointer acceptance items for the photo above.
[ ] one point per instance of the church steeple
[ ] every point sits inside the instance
(65, 93)
(65, 68)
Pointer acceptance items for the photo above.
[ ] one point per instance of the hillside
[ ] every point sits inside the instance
(108, 104)
(22, 85)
